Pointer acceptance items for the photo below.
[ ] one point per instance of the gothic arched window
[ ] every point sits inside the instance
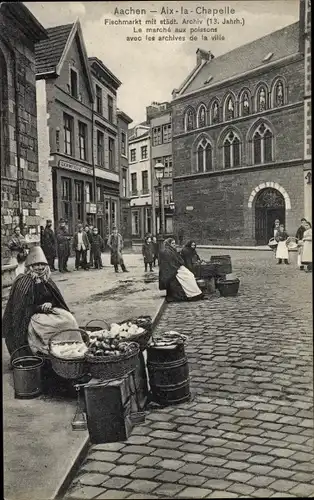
(214, 113)
(229, 108)
(262, 99)
(232, 150)
(245, 104)
(201, 116)
(262, 145)
(189, 120)
(204, 156)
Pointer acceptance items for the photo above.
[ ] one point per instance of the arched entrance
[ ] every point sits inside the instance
(269, 205)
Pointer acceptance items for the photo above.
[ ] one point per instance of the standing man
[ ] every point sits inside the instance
(49, 245)
(80, 246)
(299, 237)
(63, 246)
(115, 243)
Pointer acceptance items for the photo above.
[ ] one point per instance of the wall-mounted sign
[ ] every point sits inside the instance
(189, 208)
(32, 238)
(91, 208)
(76, 168)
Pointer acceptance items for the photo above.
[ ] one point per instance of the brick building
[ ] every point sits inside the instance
(19, 31)
(123, 153)
(140, 182)
(238, 141)
(159, 117)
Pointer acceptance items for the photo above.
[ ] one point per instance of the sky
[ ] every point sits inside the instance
(150, 70)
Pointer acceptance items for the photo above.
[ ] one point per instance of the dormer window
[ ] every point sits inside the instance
(268, 57)
(73, 83)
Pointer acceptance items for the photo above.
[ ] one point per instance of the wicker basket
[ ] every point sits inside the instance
(143, 338)
(292, 243)
(228, 288)
(113, 367)
(68, 368)
(272, 243)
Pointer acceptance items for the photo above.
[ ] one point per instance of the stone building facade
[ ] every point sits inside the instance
(306, 19)
(238, 142)
(19, 31)
(123, 153)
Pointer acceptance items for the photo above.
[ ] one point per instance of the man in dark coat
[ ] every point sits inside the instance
(49, 245)
(63, 246)
(97, 246)
(115, 243)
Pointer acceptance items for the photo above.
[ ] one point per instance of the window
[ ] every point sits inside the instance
(167, 161)
(124, 183)
(83, 140)
(201, 116)
(157, 136)
(231, 147)
(68, 134)
(111, 149)
(107, 218)
(66, 197)
(144, 152)
(135, 222)
(204, 156)
(113, 213)
(189, 120)
(134, 184)
(262, 145)
(100, 149)
(133, 154)
(110, 108)
(78, 197)
(167, 133)
(123, 143)
(73, 83)
(148, 220)
(145, 189)
(98, 100)
(88, 192)
(99, 198)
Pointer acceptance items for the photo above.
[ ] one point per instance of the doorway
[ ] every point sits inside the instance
(269, 206)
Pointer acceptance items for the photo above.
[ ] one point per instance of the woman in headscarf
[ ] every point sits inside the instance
(174, 277)
(18, 247)
(189, 256)
(35, 309)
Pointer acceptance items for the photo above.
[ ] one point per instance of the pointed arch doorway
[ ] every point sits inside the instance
(269, 206)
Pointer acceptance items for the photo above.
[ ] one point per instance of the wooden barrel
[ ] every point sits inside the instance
(168, 371)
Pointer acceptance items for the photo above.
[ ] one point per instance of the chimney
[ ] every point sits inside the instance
(203, 55)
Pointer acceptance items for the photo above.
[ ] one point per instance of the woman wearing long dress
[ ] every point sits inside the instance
(306, 255)
(18, 247)
(282, 252)
(174, 277)
(190, 256)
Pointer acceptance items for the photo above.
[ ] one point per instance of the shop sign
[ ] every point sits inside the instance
(76, 168)
(91, 208)
(32, 238)
(189, 208)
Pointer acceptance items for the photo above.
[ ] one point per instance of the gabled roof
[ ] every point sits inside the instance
(51, 54)
(253, 55)
(113, 80)
(22, 17)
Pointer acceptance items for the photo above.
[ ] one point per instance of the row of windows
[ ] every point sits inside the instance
(144, 153)
(167, 162)
(136, 221)
(232, 107)
(101, 151)
(162, 134)
(261, 144)
(134, 185)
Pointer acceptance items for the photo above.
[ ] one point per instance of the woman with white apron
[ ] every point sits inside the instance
(306, 255)
(282, 252)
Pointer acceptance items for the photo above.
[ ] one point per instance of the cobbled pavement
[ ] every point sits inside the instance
(248, 430)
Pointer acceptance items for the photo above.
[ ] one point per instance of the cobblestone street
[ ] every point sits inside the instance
(248, 430)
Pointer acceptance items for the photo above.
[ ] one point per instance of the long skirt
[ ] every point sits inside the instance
(183, 287)
(282, 251)
(306, 256)
(43, 325)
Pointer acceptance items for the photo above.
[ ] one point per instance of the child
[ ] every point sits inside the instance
(97, 246)
(306, 254)
(148, 253)
(155, 245)
(282, 252)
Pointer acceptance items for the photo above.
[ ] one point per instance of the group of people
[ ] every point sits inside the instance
(303, 239)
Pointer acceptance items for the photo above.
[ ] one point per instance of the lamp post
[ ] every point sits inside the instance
(159, 173)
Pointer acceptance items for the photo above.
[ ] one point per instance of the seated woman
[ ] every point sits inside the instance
(190, 257)
(174, 277)
(35, 309)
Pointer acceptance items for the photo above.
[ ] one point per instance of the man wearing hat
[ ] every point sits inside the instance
(63, 246)
(49, 245)
(28, 318)
(115, 244)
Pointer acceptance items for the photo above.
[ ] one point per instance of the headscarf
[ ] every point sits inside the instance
(189, 244)
(39, 277)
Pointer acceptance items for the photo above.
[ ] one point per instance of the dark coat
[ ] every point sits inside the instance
(20, 308)
(300, 233)
(282, 236)
(169, 263)
(97, 243)
(190, 257)
(148, 252)
(115, 244)
(63, 242)
(49, 243)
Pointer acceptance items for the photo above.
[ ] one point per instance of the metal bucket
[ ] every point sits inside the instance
(27, 377)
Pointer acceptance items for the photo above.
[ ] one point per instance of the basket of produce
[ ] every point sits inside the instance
(144, 330)
(272, 243)
(110, 358)
(228, 288)
(292, 243)
(96, 325)
(67, 351)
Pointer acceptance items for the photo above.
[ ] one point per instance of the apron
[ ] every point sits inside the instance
(282, 251)
(188, 283)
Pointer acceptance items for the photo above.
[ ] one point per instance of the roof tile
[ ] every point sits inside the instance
(48, 52)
